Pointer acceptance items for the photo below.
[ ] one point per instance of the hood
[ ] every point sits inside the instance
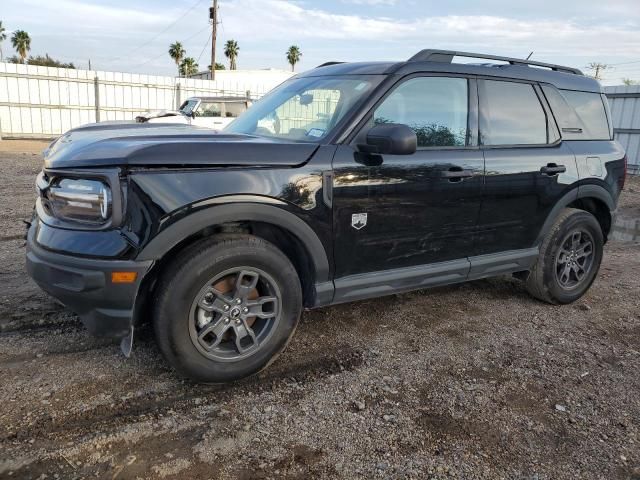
(149, 144)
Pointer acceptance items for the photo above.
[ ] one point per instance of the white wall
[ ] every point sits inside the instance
(46, 101)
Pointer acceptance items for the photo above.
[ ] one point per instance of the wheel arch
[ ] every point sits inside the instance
(273, 223)
(591, 198)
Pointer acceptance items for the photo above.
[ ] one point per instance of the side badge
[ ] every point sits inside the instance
(359, 220)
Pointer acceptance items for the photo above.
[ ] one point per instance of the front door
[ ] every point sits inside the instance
(400, 212)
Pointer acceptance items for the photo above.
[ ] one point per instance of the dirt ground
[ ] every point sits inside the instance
(470, 381)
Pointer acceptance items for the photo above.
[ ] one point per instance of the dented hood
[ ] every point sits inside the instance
(143, 144)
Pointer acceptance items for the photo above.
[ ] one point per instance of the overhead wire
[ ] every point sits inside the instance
(198, 2)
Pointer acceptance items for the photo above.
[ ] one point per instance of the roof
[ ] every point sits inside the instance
(440, 61)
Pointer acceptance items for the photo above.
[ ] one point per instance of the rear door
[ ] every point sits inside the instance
(527, 167)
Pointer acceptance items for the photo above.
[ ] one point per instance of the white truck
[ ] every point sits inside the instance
(210, 112)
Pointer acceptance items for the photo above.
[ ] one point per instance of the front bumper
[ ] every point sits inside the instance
(84, 286)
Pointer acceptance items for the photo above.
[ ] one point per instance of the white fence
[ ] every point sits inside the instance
(45, 102)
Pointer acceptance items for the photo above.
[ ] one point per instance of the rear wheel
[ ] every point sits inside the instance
(226, 308)
(569, 258)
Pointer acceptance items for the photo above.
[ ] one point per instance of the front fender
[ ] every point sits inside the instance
(272, 212)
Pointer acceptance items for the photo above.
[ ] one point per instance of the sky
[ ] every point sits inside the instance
(134, 36)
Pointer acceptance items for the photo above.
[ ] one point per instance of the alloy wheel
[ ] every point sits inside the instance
(234, 313)
(575, 258)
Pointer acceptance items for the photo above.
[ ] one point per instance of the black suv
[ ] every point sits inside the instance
(349, 181)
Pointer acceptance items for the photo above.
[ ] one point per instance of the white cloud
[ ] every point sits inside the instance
(280, 19)
(112, 35)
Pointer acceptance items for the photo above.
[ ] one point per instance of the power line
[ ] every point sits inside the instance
(165, 53)
(198, 2)
(624, 63)
(205, 46)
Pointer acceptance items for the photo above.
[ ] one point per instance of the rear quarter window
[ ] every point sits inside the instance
(580, 115)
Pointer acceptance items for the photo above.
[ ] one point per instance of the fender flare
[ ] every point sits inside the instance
(583, 191)
(234, 212)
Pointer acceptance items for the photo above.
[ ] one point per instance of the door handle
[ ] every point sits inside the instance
(553, 169)
(455, 174)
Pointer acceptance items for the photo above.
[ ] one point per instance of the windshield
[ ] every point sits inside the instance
(304, 109)
(187, 107)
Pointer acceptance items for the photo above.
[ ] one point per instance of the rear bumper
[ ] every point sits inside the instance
(84, 286)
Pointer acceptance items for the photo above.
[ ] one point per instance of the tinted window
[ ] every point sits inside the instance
(210, 109)
(513, 113)
(566, 117)
(590, 109)
(234, 109)
(434, 107)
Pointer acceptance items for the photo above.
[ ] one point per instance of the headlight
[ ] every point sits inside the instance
(78, 200)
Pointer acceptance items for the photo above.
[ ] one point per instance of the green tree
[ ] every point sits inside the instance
(231, 50)
(177, 53)
(22, 43)
(293, 56)
(219, 66)
(628, 81)
(47, 61)
(3, 37)
(188, 67)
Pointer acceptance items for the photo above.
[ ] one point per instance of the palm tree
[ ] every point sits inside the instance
(3, 37)
(231, 49)
(293, 56)
(22, 43)
(177, 53)
(188, 67)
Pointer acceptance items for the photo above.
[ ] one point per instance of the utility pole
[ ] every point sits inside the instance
(598, 68)
(213, 16)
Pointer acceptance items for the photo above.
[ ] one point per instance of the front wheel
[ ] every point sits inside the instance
(226, 308)
(569, 259)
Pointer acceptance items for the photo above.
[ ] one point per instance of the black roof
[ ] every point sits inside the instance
(440, 61)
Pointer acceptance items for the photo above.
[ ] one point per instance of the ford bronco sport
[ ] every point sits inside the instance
(349, 181)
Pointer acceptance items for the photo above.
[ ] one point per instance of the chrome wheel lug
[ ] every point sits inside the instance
(238, 301)
(226, 307)
(245, 310)
(238, 322)
(225, 320)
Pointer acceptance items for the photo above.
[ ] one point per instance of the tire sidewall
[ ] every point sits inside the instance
(173, 314)
(588, 222)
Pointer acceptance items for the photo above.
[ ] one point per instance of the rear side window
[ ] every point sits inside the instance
(513, 114)
(590, 109)
(436, 108)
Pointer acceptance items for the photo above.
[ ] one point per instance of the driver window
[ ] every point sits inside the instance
(436, 108)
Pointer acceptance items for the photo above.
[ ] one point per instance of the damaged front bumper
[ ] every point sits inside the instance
(85, 286)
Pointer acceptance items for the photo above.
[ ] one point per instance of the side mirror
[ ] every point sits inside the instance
(391, 139)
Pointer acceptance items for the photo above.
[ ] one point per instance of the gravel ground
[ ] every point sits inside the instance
(469, 381)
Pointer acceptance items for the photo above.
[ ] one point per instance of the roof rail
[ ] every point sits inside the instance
(446, 56)
(326, 64)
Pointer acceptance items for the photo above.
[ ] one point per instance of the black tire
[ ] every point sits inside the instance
(186, 278)
(545, 279)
